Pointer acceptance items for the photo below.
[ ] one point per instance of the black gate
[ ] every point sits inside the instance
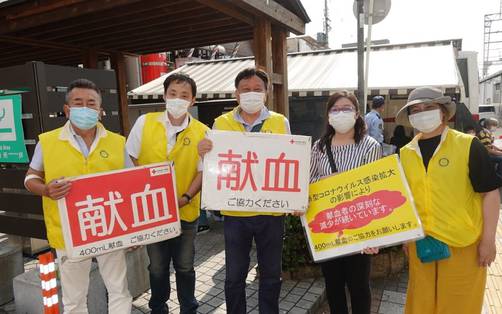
(42, 88)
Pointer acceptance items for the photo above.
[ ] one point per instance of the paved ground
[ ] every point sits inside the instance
(306, 296)
(493, 294)
(389, 294)
(296, 296)
(302, 296)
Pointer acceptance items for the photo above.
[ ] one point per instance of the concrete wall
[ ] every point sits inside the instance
(28, 294)
(11, 265)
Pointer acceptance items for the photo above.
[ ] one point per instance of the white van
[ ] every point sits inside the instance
(487, 111)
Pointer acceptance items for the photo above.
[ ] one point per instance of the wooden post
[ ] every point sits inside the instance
(280, 67)
(262, 46)
(90, 59)
(118, 64)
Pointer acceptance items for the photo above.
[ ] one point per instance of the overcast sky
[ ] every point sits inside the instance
(408, 21)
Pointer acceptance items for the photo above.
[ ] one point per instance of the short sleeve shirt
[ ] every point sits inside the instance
(135, 136)
(375, 125)
(481, 168)
(37, 161)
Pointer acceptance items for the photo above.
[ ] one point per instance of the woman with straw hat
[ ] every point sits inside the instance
(456, 194)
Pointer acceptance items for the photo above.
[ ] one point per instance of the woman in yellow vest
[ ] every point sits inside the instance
(242, 227)
(456, 194)
(173, 135)
(72, 150)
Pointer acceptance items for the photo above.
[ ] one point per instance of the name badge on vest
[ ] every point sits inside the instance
(444, 162)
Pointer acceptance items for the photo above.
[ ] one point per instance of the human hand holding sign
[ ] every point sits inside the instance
(298, 213)
(57, 188)
(370, 250)
(204, 147)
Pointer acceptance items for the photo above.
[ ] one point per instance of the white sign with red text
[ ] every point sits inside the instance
(257, 172)
(119, 209)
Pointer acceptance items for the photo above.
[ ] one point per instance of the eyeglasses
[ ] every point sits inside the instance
(343, 110)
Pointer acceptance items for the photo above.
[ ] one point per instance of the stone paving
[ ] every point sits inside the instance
(296, 297)
(389, 294)
(493, 293)
(305, 296)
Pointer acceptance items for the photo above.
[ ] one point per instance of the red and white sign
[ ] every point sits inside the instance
(118, 209)
(257, 172)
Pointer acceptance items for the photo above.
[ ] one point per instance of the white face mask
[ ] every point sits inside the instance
(342, 122)
(252, 102)
(426, 121)
(177, 107)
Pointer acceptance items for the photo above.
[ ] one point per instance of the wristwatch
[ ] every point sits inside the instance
(188, 197)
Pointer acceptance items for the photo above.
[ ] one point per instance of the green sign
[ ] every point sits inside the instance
(12, 147)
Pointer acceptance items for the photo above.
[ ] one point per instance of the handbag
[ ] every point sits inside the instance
(430, 249)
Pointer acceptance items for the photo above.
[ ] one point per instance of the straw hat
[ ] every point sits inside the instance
(425, 95)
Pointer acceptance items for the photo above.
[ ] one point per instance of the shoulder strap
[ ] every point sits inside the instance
(330, 157)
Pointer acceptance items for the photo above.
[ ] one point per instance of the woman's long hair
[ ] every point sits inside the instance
(359, 127)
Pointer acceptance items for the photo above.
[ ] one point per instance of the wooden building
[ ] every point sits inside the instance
(82, 32)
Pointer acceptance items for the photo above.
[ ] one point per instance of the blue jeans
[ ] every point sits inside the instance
(203, 218)
(267, 232)
(181, 251)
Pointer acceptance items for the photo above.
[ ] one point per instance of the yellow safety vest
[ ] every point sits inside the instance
(275, 123)
(61, 159)
(450, 209)
(184, 154)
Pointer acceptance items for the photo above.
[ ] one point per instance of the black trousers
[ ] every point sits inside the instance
(354, 272)
(267, 232)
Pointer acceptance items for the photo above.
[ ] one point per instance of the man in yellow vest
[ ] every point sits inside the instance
(173, 135)
(456, 195)
(72, 150)
(241, 227)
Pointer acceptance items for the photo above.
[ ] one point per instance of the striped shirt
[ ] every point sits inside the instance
(346, 157)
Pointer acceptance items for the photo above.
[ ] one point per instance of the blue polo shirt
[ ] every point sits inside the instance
(375, 125)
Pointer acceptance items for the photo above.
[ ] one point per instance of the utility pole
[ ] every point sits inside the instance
(366, 12)
(326, 20)
(368, 48)
(360, 55)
